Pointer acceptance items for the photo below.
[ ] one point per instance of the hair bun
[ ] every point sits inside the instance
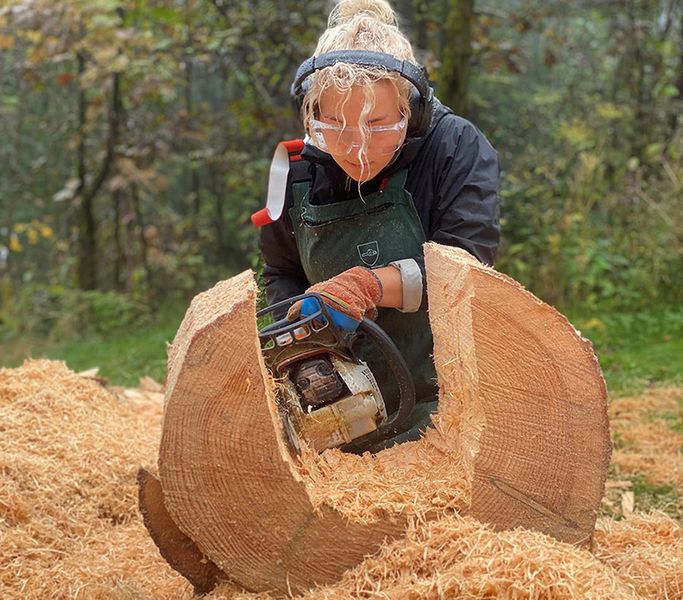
(346, 10)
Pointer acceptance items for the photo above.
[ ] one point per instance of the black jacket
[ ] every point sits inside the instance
(452, 177)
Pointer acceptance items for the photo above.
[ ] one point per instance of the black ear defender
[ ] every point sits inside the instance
(421, 98)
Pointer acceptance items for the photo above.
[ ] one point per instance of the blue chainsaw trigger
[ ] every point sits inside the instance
(310, 306)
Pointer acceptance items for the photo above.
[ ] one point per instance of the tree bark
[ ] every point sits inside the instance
(195, 199)
(15, 185)
(640, 93)
(419, 23)
(675, 116)
(86, 222)
(119, 258)
(222, 248)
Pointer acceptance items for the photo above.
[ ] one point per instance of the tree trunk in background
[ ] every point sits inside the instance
(87, 228)
(194, 175)
(14, 193)
(640, 94)
(129, 248)
(189, 109)
(117, 195)
(418, 23)
(87, 245)
(219, 193)
(679, 85)
(455, 54)
(676, 114)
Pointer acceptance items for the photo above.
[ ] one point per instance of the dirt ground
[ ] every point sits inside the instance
(70, 528)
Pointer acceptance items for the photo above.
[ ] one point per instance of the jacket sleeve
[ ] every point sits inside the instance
(283, 274)
(465, 209)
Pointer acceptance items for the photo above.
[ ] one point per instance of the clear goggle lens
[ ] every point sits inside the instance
(337, 139)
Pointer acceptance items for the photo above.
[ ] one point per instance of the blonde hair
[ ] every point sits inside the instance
(359, 25)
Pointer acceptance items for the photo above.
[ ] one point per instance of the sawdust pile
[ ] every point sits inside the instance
(69, 526)
(646, 441)
(646, 551)
(456, 557)
(396, 480)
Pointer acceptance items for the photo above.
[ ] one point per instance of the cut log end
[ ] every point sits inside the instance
(536, 400)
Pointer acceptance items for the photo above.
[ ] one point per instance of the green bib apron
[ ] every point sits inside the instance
(372, 232)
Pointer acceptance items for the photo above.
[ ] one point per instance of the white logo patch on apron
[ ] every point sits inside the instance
(369, 253)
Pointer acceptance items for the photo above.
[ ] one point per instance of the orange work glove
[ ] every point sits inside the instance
(354, 292)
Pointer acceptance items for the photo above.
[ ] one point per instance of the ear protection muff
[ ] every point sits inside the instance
(421, 98)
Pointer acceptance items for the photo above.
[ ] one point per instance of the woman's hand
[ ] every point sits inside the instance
(356, 292)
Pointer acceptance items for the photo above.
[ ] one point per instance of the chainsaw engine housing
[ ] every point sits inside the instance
(340, 402)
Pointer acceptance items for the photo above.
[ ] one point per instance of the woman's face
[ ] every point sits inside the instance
(336, 110)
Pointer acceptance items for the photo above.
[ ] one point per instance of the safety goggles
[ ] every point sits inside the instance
(339, 139)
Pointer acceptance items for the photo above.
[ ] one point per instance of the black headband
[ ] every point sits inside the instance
(416, 75)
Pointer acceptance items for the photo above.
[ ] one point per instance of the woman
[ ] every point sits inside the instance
(385, 168)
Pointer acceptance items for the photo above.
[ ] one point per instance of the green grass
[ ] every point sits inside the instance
(637, 350)
(123, 357)
(652, 496)
(647, 496)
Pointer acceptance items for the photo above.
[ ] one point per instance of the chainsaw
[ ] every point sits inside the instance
(326, 395)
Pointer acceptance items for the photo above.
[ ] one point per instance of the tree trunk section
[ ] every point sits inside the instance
(228, 478)
(521, 432)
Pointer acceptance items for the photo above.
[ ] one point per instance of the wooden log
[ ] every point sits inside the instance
(533, 403)
(522, 424)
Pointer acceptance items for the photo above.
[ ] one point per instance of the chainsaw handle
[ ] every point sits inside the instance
(313, 306)
(406, 388)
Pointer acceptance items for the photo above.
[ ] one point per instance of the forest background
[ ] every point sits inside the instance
(136, 135)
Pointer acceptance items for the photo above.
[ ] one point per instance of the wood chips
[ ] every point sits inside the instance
(647, 443)
(69, 526)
